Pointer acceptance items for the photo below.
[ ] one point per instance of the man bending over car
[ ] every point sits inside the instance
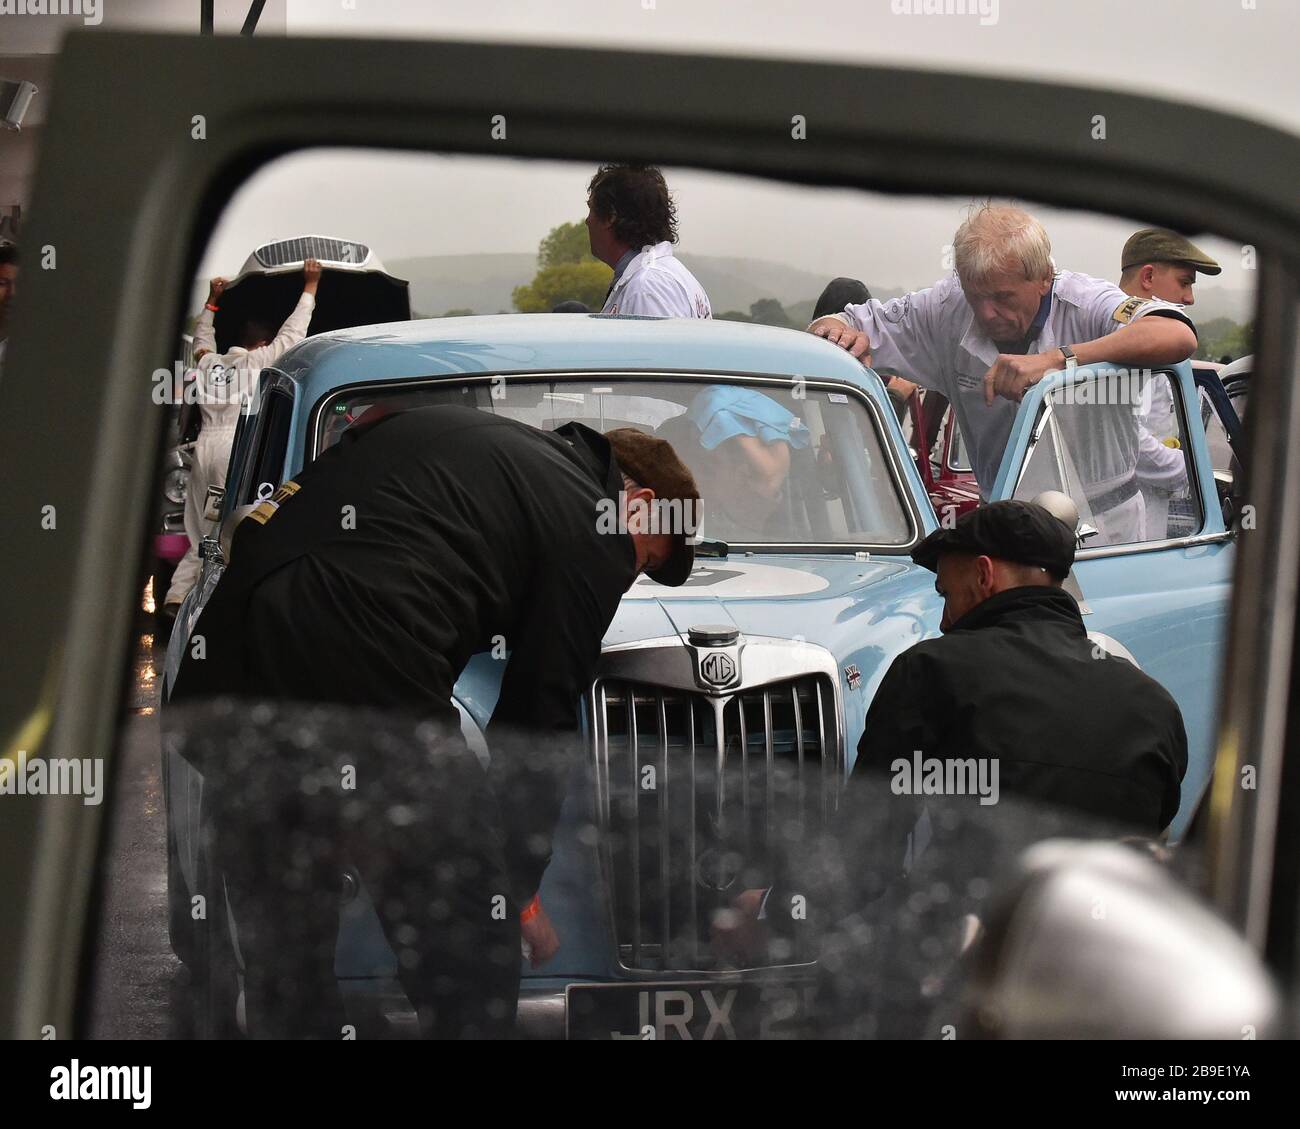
(369, 581)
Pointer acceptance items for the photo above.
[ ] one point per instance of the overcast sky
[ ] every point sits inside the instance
(1233, 54)
(412, 204)
(1221, 52)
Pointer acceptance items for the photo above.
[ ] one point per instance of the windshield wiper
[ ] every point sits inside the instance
(708, 547)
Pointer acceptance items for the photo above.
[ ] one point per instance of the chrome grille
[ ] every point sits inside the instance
(311, 247)
(699, 796)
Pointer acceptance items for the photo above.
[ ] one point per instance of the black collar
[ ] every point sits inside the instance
(1030, 603)
(593, 451)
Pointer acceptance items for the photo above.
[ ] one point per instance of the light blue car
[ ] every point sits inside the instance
(746, 689)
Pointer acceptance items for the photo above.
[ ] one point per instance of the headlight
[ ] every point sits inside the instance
(174, 484)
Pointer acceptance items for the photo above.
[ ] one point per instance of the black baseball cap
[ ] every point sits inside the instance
(1021, 532)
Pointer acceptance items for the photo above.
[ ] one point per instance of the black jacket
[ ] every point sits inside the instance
(1017, 680)
(1084, 744)
(436, 534)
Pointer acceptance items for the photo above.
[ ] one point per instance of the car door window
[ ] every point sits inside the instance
(1222, 458)
(267, 446)
(958, 456)
(1116, 443)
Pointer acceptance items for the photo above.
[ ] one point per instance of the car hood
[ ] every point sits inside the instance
(347, 298)
(863, 611)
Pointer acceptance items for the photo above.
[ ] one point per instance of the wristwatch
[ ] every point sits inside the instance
(1071, 361)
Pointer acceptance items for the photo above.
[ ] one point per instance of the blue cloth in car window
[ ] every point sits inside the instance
(723, 411)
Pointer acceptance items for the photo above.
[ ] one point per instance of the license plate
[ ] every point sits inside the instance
(687, 1010)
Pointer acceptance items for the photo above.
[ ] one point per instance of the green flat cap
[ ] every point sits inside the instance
(1156, 245)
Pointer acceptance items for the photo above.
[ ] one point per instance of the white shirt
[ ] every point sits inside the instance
(223, 379)
(931, 337)
(1159, 465)
(656, 284)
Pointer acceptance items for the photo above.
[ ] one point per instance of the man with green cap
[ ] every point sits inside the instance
(1162, 264)
(1158, 263)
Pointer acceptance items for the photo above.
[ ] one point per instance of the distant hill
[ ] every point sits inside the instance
(483, 283)
(1222, 302)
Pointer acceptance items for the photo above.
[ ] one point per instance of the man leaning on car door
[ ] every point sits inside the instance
(465, 528)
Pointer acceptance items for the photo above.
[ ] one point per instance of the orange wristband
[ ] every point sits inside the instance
(531, 910)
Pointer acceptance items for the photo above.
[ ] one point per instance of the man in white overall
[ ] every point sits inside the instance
(224, 380)
(1001, 322)
(1157, 263)
(632, 224)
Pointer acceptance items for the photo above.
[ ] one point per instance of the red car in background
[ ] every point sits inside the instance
(941, 457)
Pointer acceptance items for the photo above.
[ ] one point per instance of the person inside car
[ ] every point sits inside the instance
(1002, 321)
(369, 581)
(739, 444)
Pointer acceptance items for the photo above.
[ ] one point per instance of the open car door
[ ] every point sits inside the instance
(1155, 561)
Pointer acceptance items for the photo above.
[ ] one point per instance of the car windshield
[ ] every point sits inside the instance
(777, 464)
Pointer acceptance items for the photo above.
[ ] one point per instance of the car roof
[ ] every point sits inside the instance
(1242, 366)
(561, 343)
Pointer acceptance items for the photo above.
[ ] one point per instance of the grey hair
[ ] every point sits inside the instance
(999, 237)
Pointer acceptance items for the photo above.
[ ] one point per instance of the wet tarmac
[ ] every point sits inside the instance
(139, 988)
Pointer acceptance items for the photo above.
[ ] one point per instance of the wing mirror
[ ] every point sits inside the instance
(1062, 506)
(1098, 940)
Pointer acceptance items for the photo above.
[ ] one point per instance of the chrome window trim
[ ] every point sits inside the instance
(911, 509)
(1191, 541)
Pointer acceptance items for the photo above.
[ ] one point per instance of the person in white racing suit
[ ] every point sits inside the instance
(224, 382)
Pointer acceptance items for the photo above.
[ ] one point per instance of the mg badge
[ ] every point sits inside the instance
(717, 869)
(718, 668)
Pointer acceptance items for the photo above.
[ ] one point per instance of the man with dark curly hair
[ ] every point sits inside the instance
(632, 223)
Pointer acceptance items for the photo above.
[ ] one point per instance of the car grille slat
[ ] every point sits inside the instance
(665, 855)
(828, 787)
(746, 813)
(769, 799)
(798, 741)
(694, 898)
(635, 823)
(709, 828)
(299, 250)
